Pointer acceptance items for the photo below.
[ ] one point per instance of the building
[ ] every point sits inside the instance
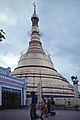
(12, 90)
(37, 67)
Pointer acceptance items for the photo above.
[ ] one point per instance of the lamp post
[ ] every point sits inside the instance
(39, 86)
(75, 83)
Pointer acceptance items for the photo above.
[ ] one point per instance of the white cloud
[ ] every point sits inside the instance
(8, 19)
(9, 60)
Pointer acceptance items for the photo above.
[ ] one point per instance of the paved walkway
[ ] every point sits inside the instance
(23, 114)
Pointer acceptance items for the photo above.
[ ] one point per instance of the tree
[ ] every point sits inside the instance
(2, 35)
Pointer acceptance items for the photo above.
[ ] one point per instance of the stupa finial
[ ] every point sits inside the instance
(34, 7)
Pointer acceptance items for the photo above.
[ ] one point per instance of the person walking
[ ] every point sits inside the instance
(49, 105)
(44, 107)
(52, 103)
(33, 114)
(52, 112)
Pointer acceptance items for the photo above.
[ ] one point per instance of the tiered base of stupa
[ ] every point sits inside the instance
(38, 68)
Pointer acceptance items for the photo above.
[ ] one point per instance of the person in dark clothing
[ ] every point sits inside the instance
(34, 98)
(33, 114)
(49, 105)
(52, 113)
(52, 103)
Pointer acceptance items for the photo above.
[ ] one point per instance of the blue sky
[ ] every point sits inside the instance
(59, 25)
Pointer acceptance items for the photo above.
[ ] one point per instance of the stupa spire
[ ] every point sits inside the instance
(35, 44)
(34, 17)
